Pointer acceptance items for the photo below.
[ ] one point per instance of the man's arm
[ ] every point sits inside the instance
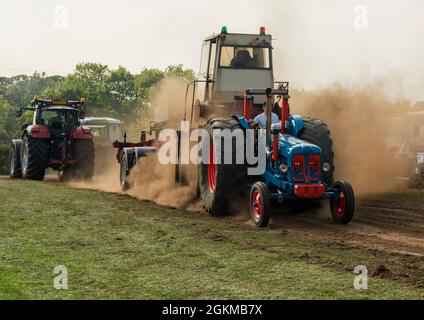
(255, 122)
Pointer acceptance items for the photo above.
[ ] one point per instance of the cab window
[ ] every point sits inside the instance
(245, 57)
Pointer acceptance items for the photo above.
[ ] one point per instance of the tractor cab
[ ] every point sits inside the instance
(230, 63)
(105, 130)
(57, 118)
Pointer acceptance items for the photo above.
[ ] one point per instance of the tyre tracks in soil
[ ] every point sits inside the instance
(388, 227)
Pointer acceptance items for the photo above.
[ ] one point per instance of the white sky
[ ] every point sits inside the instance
(316, 42)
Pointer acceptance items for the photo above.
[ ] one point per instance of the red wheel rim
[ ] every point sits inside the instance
(211, 170)
(257, 204)
(340, 205)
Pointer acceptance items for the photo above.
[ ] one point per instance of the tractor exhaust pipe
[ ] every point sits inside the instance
(269, 100)
(284, 113)
(275, 142)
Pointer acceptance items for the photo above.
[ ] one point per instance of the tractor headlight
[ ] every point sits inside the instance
(326, 167)
(284, 168)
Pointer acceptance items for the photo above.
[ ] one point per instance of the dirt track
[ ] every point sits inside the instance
(390, 227)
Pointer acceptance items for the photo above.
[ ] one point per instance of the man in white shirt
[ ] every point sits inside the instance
(260, 120)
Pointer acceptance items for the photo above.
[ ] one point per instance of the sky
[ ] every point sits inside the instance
(317, 42)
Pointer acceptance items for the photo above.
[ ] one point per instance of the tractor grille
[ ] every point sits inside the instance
(306, 168)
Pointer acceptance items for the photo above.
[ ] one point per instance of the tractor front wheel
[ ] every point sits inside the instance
(343, 205)
(260, 204)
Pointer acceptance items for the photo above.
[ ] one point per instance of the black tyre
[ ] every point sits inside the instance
(124, 171)
(34, 158)
(260, 204)
(219, 184)
(343, 207)
(85, 156)
(316, 131)
(15, 160)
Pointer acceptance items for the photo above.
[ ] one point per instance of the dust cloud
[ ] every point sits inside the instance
(154, 181)
(360, 120)
(106, 175)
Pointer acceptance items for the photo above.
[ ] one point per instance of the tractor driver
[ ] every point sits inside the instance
(260, 120)
(242, 59)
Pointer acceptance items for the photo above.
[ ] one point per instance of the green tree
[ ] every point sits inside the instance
(21, 89)
(144, 81)
(179, 71)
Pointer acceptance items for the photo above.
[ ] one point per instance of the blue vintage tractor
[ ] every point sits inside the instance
(299, 151)
(299, 164)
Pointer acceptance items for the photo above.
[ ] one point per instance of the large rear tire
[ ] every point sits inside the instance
(34, 158)
(316, 131)
(15, 160)
(85, 156)
(220, 183)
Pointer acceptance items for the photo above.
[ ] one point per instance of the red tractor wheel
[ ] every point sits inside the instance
(343, 205)
(260, 204)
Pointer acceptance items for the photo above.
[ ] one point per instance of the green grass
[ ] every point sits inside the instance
(116, 247)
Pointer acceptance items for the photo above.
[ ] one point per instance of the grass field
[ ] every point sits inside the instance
(117, 247)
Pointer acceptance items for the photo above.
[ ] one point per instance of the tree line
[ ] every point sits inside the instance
(109, 92)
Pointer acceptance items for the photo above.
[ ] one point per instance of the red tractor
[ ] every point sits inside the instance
(56, 140)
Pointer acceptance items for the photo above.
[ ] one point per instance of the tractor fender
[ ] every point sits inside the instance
(295, 125)
(38, 131)
(82, 133)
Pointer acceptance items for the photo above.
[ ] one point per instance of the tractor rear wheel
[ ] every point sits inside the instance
(34, 158)
(15, 160)
(343, 206)
(220, 183)
(260, 204)
(84, 155)
(316, 131)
